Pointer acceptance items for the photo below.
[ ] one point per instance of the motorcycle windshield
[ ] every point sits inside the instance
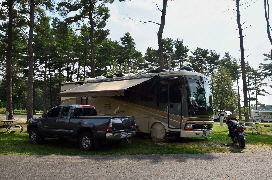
(199, 97)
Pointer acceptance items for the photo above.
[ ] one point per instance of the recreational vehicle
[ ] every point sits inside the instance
(254, 115)
(261, 115)
(265, 115)
(164, 104)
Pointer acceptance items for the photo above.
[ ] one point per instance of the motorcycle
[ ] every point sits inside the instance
(236, 132)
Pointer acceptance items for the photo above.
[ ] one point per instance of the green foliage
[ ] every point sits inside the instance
(17, 111)
(243, 110)
(198, 60)
(97, 14)
(151, 58)
(129, 59)
(267, 67)
(181, 52)
(231, 64)
(256, 83)
(224, 95)
(173, 50)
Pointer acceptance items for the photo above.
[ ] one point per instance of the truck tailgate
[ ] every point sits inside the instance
(123, 123)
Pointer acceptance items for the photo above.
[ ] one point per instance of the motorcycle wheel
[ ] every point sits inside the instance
(241, 141)
(234, 140)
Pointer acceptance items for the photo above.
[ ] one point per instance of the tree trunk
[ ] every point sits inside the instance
(31, 62)
(91, 7)
(239, 103)
(9, 104)
(44, 87)
(242, 60)
(268, 28)
(161, 61)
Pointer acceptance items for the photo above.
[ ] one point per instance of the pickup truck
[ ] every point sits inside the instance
(80, 122)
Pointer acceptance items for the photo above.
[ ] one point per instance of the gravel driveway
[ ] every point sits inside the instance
(199, 166)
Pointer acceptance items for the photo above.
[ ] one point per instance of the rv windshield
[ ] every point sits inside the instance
(199, 92)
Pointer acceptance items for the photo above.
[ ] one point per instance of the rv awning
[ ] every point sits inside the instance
(103, 88)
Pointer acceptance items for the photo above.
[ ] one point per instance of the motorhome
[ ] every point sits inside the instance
(254, 115)
(265, 115)
(261, 115)
(164, 104)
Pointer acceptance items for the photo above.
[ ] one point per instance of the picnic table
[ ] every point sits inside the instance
(253, 126)
(8, 125)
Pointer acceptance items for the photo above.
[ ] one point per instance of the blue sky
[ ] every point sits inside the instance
(208, 24)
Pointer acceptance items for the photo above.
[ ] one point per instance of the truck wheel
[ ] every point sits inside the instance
(157, 132)
(35, 137)
(86, 141)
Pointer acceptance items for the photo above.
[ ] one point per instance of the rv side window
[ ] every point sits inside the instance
(175, 93)
(164, 93)
(149, 95)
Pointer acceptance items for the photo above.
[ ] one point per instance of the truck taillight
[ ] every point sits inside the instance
(109, 128)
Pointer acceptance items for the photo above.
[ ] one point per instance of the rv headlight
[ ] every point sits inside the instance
(189, 126)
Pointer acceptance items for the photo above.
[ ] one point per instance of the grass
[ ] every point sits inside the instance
(18, 111)
(16, 143)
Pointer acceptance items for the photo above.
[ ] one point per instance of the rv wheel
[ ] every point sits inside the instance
(157, 132)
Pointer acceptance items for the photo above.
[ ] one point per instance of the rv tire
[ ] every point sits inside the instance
(157, 132)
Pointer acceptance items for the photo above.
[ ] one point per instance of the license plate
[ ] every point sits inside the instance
(123, 134)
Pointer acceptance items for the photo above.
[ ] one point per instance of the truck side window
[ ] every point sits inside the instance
(65, 111)
(78, 112)
(54, 112)
(89, 112)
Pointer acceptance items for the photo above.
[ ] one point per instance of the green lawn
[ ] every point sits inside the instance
(17, 143)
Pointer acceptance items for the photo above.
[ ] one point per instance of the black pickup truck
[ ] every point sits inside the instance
(80, 122)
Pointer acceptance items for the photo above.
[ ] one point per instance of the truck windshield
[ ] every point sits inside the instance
(199, 92)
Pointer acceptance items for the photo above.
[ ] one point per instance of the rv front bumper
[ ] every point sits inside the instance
(196, 133)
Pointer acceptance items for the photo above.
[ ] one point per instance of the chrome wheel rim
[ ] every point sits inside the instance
(33, 137)
(86, 142)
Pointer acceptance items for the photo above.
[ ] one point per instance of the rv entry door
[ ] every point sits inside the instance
(171, 100)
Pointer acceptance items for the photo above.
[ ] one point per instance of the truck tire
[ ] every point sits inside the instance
(158, 132)
(35, 137)
(86, 141)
